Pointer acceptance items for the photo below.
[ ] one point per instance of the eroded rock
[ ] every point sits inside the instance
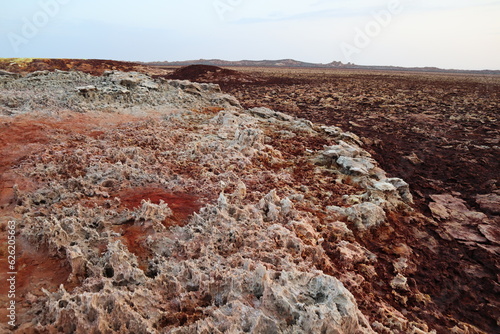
(188, 214)
(489, 202)
(120, 91)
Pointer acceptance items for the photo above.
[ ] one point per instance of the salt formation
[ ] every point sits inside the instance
(113, 91)
(253, 259)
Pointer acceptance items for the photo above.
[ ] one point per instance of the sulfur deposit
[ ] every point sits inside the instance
(163, 206)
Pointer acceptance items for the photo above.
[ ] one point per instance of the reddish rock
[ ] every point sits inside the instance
(489, 203)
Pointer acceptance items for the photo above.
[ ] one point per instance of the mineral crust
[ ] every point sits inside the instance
(163, 206)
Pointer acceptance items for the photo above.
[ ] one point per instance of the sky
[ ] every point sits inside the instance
(451, 34)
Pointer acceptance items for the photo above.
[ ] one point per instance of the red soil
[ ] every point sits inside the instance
(134, 234)
(182, 205)
(25, 135)
(36, 269)
(17, 140)
(20, 137)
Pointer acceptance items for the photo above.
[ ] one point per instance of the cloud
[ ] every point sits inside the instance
(260, 11)
(277, 16)
(447, 5)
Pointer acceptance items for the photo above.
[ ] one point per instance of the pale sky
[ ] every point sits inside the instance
(460, 34)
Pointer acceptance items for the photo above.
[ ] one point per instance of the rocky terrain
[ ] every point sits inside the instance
(258, 65)
(439, 131)
(155, 205)
(91, 66)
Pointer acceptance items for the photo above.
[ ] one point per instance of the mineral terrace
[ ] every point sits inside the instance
(163, 206)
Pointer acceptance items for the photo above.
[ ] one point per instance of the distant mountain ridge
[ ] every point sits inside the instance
(256, 63)
(284, 63)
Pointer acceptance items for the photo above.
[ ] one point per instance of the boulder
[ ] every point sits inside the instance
(9, 74)
(489, 202)
(365, 215)
(356, 166)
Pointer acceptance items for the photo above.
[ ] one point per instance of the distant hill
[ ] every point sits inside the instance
(246, 63)
(284, 63)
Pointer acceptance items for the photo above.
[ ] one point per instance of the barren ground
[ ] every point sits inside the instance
(441, 132)
(438, 132)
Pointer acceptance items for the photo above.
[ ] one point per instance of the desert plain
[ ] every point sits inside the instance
(258, 200)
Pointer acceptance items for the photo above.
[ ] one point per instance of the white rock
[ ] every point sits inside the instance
(400, 283)
(384, 186)
(402, 188)
(356, 166)
(365, 215)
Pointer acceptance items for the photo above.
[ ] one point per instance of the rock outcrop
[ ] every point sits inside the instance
(132, 91)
